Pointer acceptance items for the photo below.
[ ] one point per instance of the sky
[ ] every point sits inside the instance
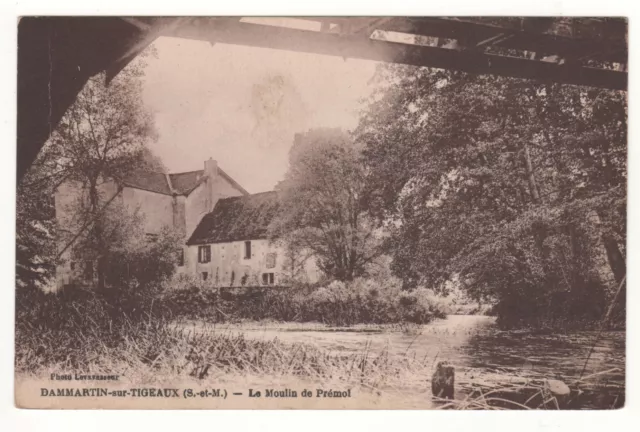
(242, 105)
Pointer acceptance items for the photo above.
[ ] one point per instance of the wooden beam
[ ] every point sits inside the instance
(360, 47)
(139, 24)
(146, 37)
(523, 36)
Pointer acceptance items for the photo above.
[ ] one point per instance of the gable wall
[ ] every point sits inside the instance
(199, 203)
(195, 208)
(156, 208)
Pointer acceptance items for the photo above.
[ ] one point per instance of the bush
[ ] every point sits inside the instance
(540, 306)
(359, 302)
(188, 296)
(184, 281)
(143, 262)
(452, 300)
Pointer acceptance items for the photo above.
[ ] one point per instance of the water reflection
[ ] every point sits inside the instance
(479, 351)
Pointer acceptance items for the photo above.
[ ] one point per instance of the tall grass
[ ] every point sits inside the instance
(88, 338)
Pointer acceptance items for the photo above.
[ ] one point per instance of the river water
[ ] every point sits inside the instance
(480, 351)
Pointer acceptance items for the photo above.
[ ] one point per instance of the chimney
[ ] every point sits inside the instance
(211, 171)
(211, 168)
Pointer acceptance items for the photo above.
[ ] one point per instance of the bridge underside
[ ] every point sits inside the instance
(57, 55)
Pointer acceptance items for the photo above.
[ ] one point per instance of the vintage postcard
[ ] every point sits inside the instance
(321, 213)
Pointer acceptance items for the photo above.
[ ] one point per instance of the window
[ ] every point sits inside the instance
(247, 250)
(268, 279)
(205, 275)
(271, 260)
(204, 254)
(180, 257)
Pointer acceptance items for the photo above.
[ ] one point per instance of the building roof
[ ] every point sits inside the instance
(184, 183)
(149, 181)
(236, 219)
(176, 183)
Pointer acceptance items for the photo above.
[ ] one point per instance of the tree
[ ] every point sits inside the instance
(35, 233)
(149, 161)
(101, 138)
(136, 260)
(512, 184)
(295, 257)
(321, 208)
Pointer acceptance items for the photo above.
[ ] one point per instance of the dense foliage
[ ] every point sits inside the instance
(35, 233)
(516, 187)
(322, 211)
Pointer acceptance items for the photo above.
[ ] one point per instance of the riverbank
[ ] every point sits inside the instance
(372, 360)
(484, 356)
(159, 356)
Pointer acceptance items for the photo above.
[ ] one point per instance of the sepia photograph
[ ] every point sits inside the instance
(353, 212)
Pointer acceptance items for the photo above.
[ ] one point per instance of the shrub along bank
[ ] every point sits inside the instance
(359, 302)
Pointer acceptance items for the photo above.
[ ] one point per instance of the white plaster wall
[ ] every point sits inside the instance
(156, 208)
(228, 259)
(195, 208)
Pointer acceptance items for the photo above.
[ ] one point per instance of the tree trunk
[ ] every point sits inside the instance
(101, 269)
(576, 275)
(615, 258)
(619, 269)
(97, 234)
(533, 187)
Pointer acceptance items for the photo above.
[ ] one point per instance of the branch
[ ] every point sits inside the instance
(86, 224)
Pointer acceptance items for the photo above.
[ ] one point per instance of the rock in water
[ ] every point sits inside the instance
(442, 381)
(558, 388)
